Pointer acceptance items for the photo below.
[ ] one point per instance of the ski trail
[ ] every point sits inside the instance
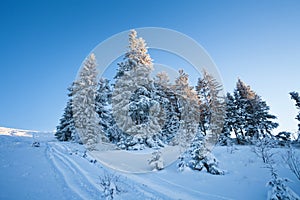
(207, 195)
(158, 187)
(78, 167)
(174, 192)
(78, 179)
(73, 175)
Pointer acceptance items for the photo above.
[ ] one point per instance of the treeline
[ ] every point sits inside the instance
(139, 111)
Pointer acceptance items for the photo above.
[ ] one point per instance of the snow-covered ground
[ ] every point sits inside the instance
(62, 170)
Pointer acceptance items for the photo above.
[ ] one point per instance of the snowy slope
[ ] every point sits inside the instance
(62, 170)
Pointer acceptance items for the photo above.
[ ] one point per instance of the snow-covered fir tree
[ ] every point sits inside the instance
(84, 105)
(66, 130)
(210, 123)
(230, 120)
(197, 155)
(253, 118)
(135, 109)
(242, 95)
(295, 96)
(137, 53)
(188, 104)
(103, 108)
(168, 101)
(212, 105)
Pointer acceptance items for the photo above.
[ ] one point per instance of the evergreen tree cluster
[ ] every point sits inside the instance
(247, 116)
(139, 111)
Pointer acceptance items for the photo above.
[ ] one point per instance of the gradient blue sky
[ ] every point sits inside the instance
(43, 44)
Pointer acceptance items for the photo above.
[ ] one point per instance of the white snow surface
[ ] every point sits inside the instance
(62, 170)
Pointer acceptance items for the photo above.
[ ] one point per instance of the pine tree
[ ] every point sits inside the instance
(208, 126)
(66, 131)
(265, 119)
(168, 101)
(188, 104)
(253, 119)
(212, 105)
(229, 121)
(84, 105)
(103, 108)
(134, 106)
(242, 94)
(295, 96)
(137, 54)
(197, 154)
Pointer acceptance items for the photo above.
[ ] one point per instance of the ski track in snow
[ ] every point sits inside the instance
(198, 194)
(173, 190)
(86, 187)
(73, 175)
(82, 184)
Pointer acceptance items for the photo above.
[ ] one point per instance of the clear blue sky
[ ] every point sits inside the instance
(43, 43)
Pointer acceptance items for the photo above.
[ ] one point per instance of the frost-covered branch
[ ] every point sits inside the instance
(292, 159)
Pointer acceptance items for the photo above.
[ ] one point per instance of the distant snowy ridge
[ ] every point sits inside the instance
(17, 132)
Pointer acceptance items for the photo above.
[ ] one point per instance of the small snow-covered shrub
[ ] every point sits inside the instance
(279, 189)
(283, 138)
(263, 149)
(208, 161)
(36, 144)
(156, 161)
(182, 163)
(198, 156)
(111, 186)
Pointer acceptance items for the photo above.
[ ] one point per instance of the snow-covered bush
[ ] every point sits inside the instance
(156, 161)
(198, 157)
(263, 149)
(279, 189)
(110, 185)
(36, 144)
(292, 159)
(182, 163)
(283, 138)
(207, 161)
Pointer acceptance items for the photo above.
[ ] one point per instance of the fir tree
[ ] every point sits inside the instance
(212, 105)
(103, 108)
(253, 119)
(295, 96)
(84, 105)
(188, 104)
(242, 94)
(229, 121)
(66, 131)
(168, 101)
(134, 106)
(197, 155)
(137, 54)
